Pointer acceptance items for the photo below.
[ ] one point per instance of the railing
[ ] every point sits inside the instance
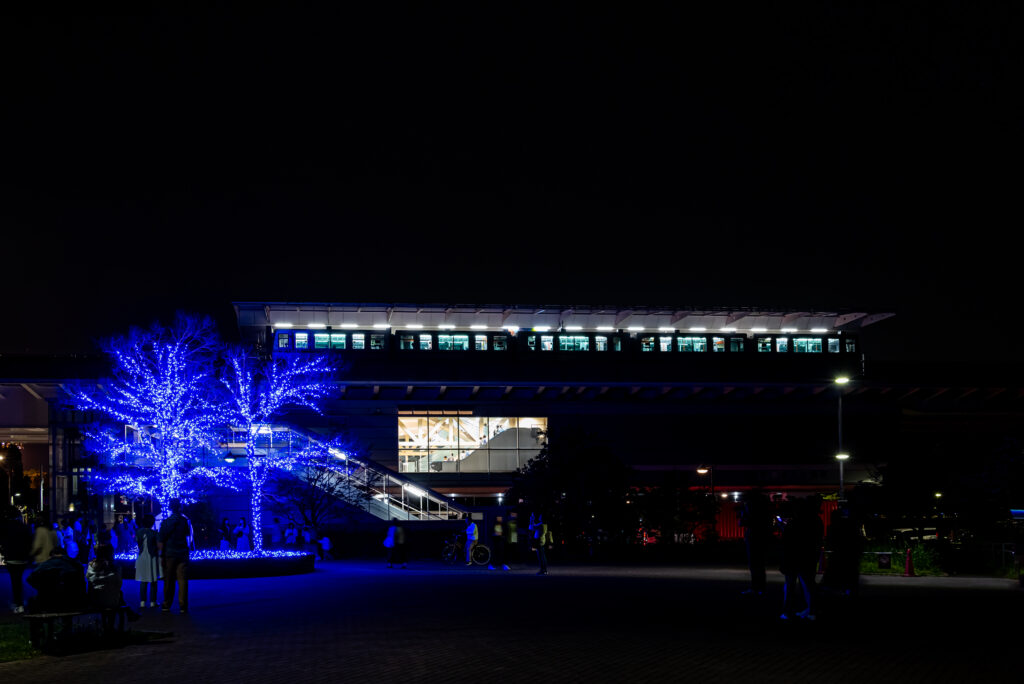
(361, 483)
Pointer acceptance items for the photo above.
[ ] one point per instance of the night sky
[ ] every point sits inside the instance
(806, 157)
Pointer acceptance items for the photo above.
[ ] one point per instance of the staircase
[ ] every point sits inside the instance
(361, 483)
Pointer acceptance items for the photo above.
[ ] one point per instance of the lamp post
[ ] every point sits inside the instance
(703, 470)
(841, 455)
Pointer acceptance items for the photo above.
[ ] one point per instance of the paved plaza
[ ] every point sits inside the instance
(358, 621)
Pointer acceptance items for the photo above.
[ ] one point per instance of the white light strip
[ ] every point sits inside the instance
(819, 330)
(759, 330)
(541, 328)
(284, 325)
(317, 326)
(415, 326)
(573, 328)
(381, 326)
(635, 328)
(349, 325)
(606, 328)
(477, 326)
(698, 329)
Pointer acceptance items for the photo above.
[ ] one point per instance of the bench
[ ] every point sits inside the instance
(42, 632)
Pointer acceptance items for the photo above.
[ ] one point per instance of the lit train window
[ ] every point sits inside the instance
(426, 341)
(665, 344)
(358, 340)
(531, 342)
(600, 343)
(321, 340)
(646, 344)
(283, 340)
(573, 343)
(782, 344)
(407, 342)
(547, 342)
(718, 344)
(337, 340)
(302, 340)
(851, 346)
(376, 341)
(807, 345)
(500, 343)
(692, 344)
(735, 344)
(764, 344)
(480, 342)
(833, 345)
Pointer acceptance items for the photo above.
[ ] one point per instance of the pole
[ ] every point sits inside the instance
(842, 492)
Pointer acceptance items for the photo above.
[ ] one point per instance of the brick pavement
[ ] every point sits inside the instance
(357, 621)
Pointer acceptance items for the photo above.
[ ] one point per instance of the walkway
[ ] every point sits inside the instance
(358, 621)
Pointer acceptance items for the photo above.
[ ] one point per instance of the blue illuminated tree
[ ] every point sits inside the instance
(258, 391)
(164, 393)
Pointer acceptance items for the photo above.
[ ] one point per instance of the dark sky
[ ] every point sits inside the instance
(808, 157)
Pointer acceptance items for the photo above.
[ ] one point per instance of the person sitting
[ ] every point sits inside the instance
(59, 585)
(104, 581)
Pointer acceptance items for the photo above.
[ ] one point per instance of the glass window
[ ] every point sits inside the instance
(500, 343)
(735, 344)
(531, 342)
(600, 343)
(692, 344)
(283, 340)
(444, 342)
(302, 340)
(337, 340)
(764, 344)
(547, 342)
(665, 344)
(358, 340)
(467, 444)
(407, 342)
(480, 342)
(616, 344)
(833, 345)
(573, 343)
(851, 346)
(807, 345)
(782, 344)
(426, 341)
(321, 340)
(646, 344)
(376, 341)
(718, 344)
(460, 342)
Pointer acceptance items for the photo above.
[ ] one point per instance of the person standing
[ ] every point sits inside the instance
(757, 531)
(175, 532)
(801, 546)
(242, 536)
(512, 537)
(498, 545)
(147, 564)
(44, 542)
(539, 530)
(227, 536)
(395, 543)
(16, 546)
(472, 537)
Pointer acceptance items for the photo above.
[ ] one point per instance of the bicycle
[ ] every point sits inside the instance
(455, 549)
